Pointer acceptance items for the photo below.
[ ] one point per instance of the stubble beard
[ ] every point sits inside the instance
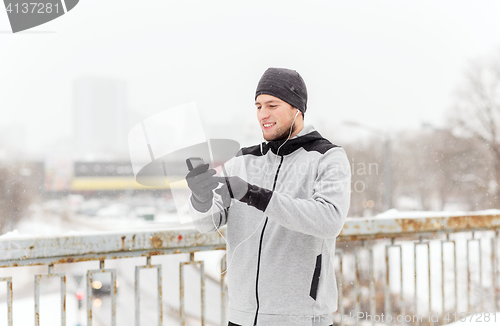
(283, 134)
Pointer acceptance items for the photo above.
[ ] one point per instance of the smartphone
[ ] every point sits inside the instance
(194, 162)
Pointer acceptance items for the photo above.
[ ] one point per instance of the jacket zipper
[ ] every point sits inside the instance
(260, 250)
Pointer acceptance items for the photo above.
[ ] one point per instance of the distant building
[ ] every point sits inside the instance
(100, 116)
(105, 176)
(62, 174)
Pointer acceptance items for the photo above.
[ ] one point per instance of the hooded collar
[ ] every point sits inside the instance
(306, 135)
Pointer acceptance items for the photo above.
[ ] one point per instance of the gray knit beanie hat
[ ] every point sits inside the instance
(285, 84)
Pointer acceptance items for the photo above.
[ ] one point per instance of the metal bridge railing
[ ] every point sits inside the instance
(402, 271)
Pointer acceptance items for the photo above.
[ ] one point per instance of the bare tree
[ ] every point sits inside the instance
(476, 112)
(437, 168)
(433, 167)
(367, 181)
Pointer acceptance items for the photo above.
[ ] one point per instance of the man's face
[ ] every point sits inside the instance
(275, 117)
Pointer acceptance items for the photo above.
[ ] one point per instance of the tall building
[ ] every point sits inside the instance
(100, 116)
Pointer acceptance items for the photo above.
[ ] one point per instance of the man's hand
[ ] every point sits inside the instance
(237, 188)
(233, 187)
(202, 183)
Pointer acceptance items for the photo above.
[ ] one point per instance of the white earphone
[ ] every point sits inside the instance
(296, 114)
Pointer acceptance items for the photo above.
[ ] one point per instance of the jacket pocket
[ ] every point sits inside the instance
(315, 278)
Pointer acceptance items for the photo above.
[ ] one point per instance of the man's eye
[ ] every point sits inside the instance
(273, 106)
(258, 108)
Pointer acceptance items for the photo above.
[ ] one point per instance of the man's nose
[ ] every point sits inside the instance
(262, 114)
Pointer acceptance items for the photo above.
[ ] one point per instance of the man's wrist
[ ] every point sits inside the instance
(201, 206)
(257, 197)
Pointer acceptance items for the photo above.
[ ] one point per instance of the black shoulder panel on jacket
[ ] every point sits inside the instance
(319, 145)
(310, 142)
(252, 150)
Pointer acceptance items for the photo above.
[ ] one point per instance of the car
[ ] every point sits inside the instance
(101, 284)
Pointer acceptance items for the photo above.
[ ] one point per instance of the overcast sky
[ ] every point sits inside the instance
(387, 64)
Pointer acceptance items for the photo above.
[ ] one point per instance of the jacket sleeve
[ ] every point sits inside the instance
(211, 217)
(324, 213)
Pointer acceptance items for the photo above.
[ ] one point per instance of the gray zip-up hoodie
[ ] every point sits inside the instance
(281, 235)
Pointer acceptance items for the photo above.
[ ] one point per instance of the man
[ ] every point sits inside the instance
(284, 202)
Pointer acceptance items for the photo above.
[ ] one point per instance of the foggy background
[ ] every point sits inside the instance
(391, 82)
(410, 90)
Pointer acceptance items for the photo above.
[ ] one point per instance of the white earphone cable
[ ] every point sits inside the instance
(258, 227)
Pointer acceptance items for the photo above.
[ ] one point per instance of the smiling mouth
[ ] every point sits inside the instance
(268, 125)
